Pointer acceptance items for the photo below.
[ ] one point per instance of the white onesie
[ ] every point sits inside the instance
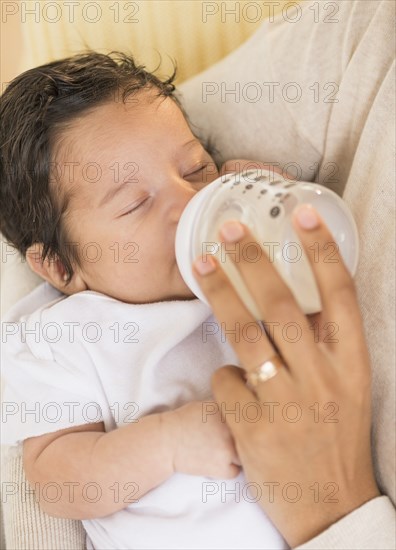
(88, 358)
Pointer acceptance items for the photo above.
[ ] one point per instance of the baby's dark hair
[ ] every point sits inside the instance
(35, 107)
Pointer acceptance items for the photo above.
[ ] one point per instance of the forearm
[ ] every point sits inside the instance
(111, 468)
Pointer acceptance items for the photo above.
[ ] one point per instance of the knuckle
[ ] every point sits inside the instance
(345, 292)
(218, 377)
(215, 285)
(282, 302)
(250, 252)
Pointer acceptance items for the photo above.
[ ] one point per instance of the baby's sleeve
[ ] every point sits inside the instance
(43, 393)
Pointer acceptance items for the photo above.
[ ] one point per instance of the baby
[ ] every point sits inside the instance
(114, 353)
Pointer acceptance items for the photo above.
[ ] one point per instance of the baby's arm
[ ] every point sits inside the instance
(85, 462)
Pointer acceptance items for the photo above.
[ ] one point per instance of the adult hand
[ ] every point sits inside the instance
(311, 447)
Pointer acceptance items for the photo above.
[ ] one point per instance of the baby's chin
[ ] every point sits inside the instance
(183, 294)
(181, 290)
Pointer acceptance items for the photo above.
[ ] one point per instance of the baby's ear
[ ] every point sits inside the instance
(48, 269)
(52, 270)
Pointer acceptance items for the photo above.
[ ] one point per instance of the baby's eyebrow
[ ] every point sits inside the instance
(112, 192)
(191, 142)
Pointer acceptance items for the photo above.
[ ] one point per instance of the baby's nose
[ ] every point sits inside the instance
(179, 200)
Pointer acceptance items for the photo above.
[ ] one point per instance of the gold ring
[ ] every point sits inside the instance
(265, 371)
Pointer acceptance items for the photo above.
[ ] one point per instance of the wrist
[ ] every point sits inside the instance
(170, 435)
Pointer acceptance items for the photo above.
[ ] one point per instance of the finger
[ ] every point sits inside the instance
(231, 472)
(235, 398)
(242, 331)
(235, 458)
(230, 391)
(336, 287)
(289, 328)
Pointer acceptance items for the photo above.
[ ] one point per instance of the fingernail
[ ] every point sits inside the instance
(307, 217)
(232, 231)
(205, 266)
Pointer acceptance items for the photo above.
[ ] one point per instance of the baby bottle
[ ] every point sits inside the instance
(264, 201)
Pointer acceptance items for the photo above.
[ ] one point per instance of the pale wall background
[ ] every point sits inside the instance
(195, 33)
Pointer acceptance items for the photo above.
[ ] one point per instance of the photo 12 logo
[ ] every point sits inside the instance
(255, 12)
(70, 11)
(269, 92)
(269, 491)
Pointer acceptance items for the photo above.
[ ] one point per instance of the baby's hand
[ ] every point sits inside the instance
(202, 445)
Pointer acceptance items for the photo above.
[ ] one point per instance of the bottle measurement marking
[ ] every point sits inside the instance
(275, 182)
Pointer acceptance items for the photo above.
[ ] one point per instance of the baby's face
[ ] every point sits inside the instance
(136, 167)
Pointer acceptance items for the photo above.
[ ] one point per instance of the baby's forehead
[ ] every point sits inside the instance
(105, 124)
(114, 134)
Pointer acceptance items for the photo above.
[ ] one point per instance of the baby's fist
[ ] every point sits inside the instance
(202, 443)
